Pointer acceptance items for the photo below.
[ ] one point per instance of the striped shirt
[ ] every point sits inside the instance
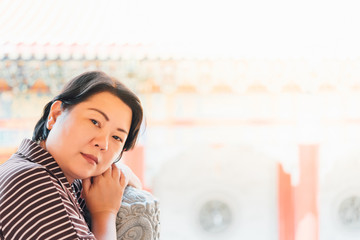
(37, 201)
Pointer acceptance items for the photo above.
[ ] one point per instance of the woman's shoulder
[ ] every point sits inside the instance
(18, 163)
(17, 169)
(29, 198)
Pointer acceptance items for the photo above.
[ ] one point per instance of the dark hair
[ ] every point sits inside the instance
(86, 85)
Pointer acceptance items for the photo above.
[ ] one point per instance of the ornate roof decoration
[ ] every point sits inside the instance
(4, 86)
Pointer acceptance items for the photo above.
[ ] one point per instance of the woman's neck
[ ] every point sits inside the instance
(43, 145)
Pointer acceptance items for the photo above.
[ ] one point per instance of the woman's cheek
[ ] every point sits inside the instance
(101, 169)
(106, 164)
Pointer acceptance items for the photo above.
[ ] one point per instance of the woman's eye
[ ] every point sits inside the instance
(96, 123)
(117, 138)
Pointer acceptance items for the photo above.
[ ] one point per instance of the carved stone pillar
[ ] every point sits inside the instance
(138, 217)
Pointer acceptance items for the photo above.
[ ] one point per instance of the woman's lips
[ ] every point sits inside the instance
(90, 158)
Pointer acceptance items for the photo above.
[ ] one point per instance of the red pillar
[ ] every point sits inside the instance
(305, 194)
(298, 212)
(285, 205)
(135, 160)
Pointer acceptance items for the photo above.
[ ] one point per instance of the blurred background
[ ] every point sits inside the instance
(252, 107)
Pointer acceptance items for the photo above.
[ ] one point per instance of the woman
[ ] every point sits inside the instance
(82, 132)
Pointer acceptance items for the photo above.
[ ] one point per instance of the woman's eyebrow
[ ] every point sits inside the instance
(106, 118)
(101, 112)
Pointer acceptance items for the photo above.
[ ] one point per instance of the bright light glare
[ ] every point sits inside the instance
(258, 28)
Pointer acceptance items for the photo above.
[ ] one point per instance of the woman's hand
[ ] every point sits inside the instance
(103, 199)
(131, 178)
(105, 192)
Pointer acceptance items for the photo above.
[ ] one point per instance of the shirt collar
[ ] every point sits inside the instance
(35, 153)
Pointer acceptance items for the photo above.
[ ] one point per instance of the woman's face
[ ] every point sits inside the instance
(87, 138)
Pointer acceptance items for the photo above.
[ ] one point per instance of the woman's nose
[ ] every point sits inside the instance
(101, 142)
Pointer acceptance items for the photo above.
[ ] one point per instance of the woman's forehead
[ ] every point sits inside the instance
(111, 107)
(105, 99)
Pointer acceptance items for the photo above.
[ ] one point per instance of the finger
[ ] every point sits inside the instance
(122, 179)
(96, 179)
(131, 178)
(86, 185)
(115, 171)
(107, 172)
(135, 182)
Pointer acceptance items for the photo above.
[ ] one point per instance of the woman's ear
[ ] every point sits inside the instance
(55, 111)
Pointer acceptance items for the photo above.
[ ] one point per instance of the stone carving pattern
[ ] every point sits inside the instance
(138, 217)
(349, 211)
